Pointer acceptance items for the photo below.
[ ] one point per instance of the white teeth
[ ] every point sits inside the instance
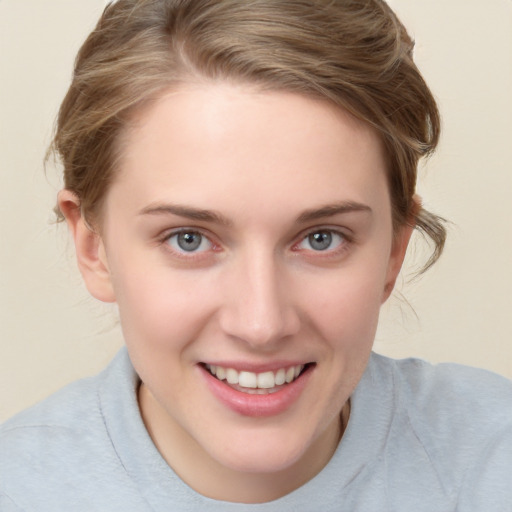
(232, 376)
(266, 380)
(247, 380)
(221, 373)
(251, 380)
(280, 377)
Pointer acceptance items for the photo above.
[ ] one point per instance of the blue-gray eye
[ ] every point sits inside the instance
(321, 240)
(189, 241)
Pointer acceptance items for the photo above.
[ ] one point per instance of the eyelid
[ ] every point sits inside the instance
(168, 234)
(345, 234)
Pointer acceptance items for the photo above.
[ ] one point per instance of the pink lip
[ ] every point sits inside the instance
(256, 405)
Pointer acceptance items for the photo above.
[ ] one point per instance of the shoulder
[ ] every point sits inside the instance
(446, 404)
(73, 408)
(452, 393)
(59, 450)
(462, 419)
(60, 409)
(41, 447)
(48, 433)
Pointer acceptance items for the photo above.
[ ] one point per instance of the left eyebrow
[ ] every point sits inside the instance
(330, 210)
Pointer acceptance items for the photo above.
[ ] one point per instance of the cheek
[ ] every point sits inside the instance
(159, 307)
(346, 307)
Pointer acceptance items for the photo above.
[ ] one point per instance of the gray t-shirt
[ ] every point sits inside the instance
(420, 438)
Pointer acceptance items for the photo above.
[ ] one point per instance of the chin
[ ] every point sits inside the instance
(262, 453)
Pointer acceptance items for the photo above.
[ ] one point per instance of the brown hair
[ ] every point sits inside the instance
(353, 53)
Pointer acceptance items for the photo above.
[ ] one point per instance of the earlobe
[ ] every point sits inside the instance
(397, 258)
(90, 251)
(400, 244)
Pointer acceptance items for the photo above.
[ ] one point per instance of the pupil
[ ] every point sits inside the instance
(189, 241)
(321, 240)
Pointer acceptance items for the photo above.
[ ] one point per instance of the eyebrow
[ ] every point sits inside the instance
(188, 212)
(332, 209)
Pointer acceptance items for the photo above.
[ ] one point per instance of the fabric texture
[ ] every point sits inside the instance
(420, 438)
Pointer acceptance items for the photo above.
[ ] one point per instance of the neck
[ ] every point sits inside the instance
(214, 480)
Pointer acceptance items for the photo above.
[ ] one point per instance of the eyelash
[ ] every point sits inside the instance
(182, 253)
(345, 241)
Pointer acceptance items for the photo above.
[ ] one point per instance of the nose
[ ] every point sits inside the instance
(258, 307)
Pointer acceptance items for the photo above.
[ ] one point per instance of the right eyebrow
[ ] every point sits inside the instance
(186, 212)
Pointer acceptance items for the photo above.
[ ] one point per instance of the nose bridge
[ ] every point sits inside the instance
(258, 310)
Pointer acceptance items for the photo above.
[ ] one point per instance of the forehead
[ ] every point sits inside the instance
(203, 140)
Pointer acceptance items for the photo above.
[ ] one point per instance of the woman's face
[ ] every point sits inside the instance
(248, 234)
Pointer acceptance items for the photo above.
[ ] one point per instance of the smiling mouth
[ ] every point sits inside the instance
(254, 383)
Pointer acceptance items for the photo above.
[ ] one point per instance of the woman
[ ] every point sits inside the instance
(240, 180)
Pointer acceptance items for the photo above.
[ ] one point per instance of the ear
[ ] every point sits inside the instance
(399, 248)
(89, 247)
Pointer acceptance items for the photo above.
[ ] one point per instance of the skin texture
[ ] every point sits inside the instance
(273, 167)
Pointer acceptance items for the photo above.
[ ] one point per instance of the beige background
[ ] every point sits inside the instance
(51, 332)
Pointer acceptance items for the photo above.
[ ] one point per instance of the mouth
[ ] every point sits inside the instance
(254, 383)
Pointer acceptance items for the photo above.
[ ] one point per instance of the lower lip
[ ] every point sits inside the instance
(257, 405)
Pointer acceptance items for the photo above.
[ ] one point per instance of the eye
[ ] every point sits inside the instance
(322, 240)
(189, 241)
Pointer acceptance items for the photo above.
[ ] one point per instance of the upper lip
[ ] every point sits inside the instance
(247, 366)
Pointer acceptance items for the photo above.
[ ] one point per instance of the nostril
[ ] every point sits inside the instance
(259, 330)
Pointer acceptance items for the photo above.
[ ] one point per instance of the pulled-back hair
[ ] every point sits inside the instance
(353, 53)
